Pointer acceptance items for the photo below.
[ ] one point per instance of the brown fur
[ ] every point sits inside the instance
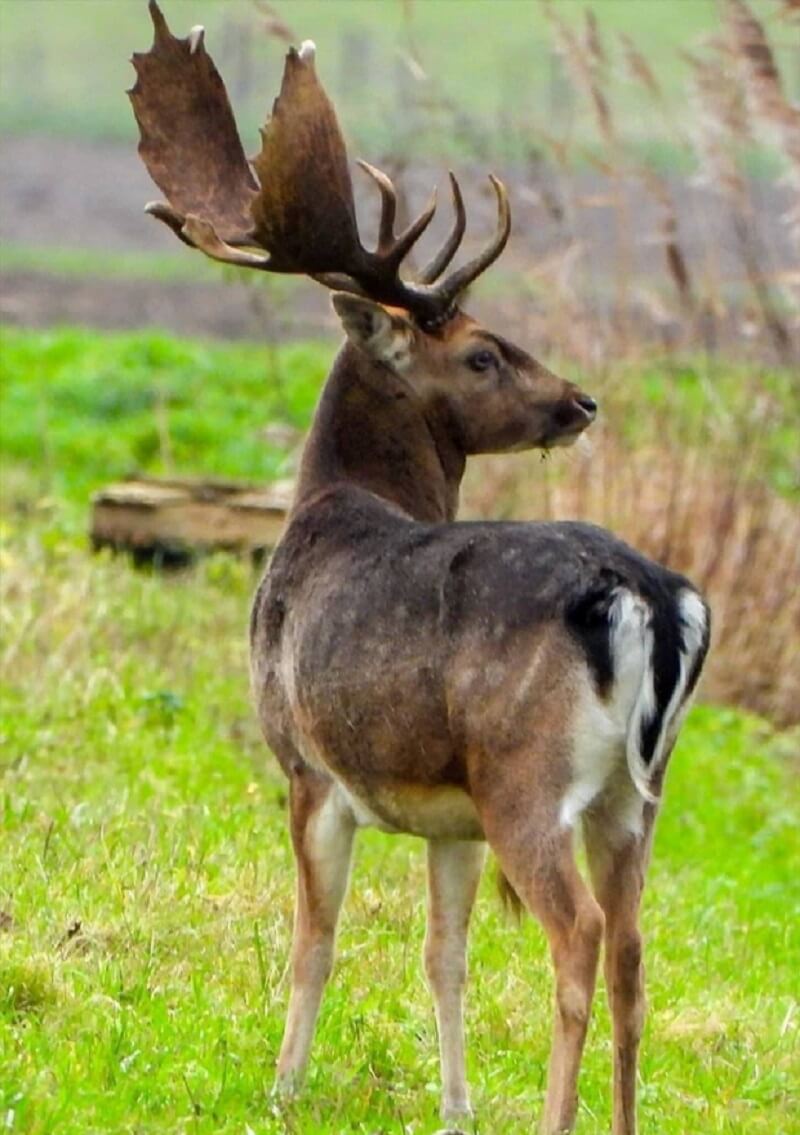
(410, 672)
(423, 676)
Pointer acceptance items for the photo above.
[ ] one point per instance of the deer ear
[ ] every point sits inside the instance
(385, 336)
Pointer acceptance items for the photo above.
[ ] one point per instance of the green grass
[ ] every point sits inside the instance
(80, 409)
(166, 267)
(83, 262)
(146, 892)
(494, 59)
(146, 878)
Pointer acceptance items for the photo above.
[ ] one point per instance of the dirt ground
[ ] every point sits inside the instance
(63, 193)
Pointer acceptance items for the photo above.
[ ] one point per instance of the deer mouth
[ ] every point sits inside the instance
(571, 420)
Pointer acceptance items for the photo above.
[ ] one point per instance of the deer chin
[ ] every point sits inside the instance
(565, 438)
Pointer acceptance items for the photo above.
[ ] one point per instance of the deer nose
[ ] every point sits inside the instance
(587, 404)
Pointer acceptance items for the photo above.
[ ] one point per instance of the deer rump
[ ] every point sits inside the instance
(375, 636)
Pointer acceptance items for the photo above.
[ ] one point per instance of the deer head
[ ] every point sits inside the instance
(292, 211)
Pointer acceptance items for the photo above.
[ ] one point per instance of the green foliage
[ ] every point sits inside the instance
(80, 409)
(108, 265)
(146, 888)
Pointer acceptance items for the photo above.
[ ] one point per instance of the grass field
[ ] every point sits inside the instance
(146, 879)
(68, 263)
(82, 408)
(146, 885)
(493, 59)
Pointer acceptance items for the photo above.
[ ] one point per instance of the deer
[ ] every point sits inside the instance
(478, 684)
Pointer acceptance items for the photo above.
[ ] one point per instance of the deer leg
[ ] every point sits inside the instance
(573, 923)
(537, 856)
(617, 862)
(454, 870)
(322, 835)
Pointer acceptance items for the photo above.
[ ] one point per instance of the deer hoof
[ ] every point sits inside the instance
(455, 1117)
(286, 1087)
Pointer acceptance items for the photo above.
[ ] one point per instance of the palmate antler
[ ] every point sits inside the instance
(293, 210)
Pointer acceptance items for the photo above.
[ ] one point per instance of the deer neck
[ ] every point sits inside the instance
(370, 430)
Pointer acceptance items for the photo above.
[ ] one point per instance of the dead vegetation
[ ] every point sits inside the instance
(715, 289)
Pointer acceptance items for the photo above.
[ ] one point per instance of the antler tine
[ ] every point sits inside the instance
(434, 268)
(391, 249)
(201, 234)
(160, 26)
(457, 281)
(388, 206)
(411, 235)
(170, 217)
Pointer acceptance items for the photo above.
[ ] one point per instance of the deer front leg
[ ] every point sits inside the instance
(322, 836)
(454, 870)
(617, 862)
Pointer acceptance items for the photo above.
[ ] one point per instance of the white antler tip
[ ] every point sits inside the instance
(196, 38)
(308, 50)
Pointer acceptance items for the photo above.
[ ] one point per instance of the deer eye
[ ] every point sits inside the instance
(482, 360)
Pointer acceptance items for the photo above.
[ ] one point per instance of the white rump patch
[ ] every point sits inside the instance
(607, 732)
(308, 51)
(603, 726)
(695, 621)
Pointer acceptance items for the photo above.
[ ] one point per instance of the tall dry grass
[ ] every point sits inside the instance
(722, 289)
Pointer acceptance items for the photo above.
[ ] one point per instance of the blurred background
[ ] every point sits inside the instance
(652, 153)
(651, 150)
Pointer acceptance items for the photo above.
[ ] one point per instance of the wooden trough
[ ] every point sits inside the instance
(169, 521)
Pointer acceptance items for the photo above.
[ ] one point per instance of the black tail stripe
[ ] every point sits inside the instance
(666, 666)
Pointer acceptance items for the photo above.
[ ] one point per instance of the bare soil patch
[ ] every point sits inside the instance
(66, 193)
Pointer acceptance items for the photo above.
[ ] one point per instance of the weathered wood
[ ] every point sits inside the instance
(179, 517)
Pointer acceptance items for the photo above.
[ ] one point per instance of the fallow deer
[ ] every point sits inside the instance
(469, 683)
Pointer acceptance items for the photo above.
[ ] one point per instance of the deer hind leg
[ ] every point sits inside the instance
(536, 854)
(617, 863)
(322, 835)
(454, 870)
